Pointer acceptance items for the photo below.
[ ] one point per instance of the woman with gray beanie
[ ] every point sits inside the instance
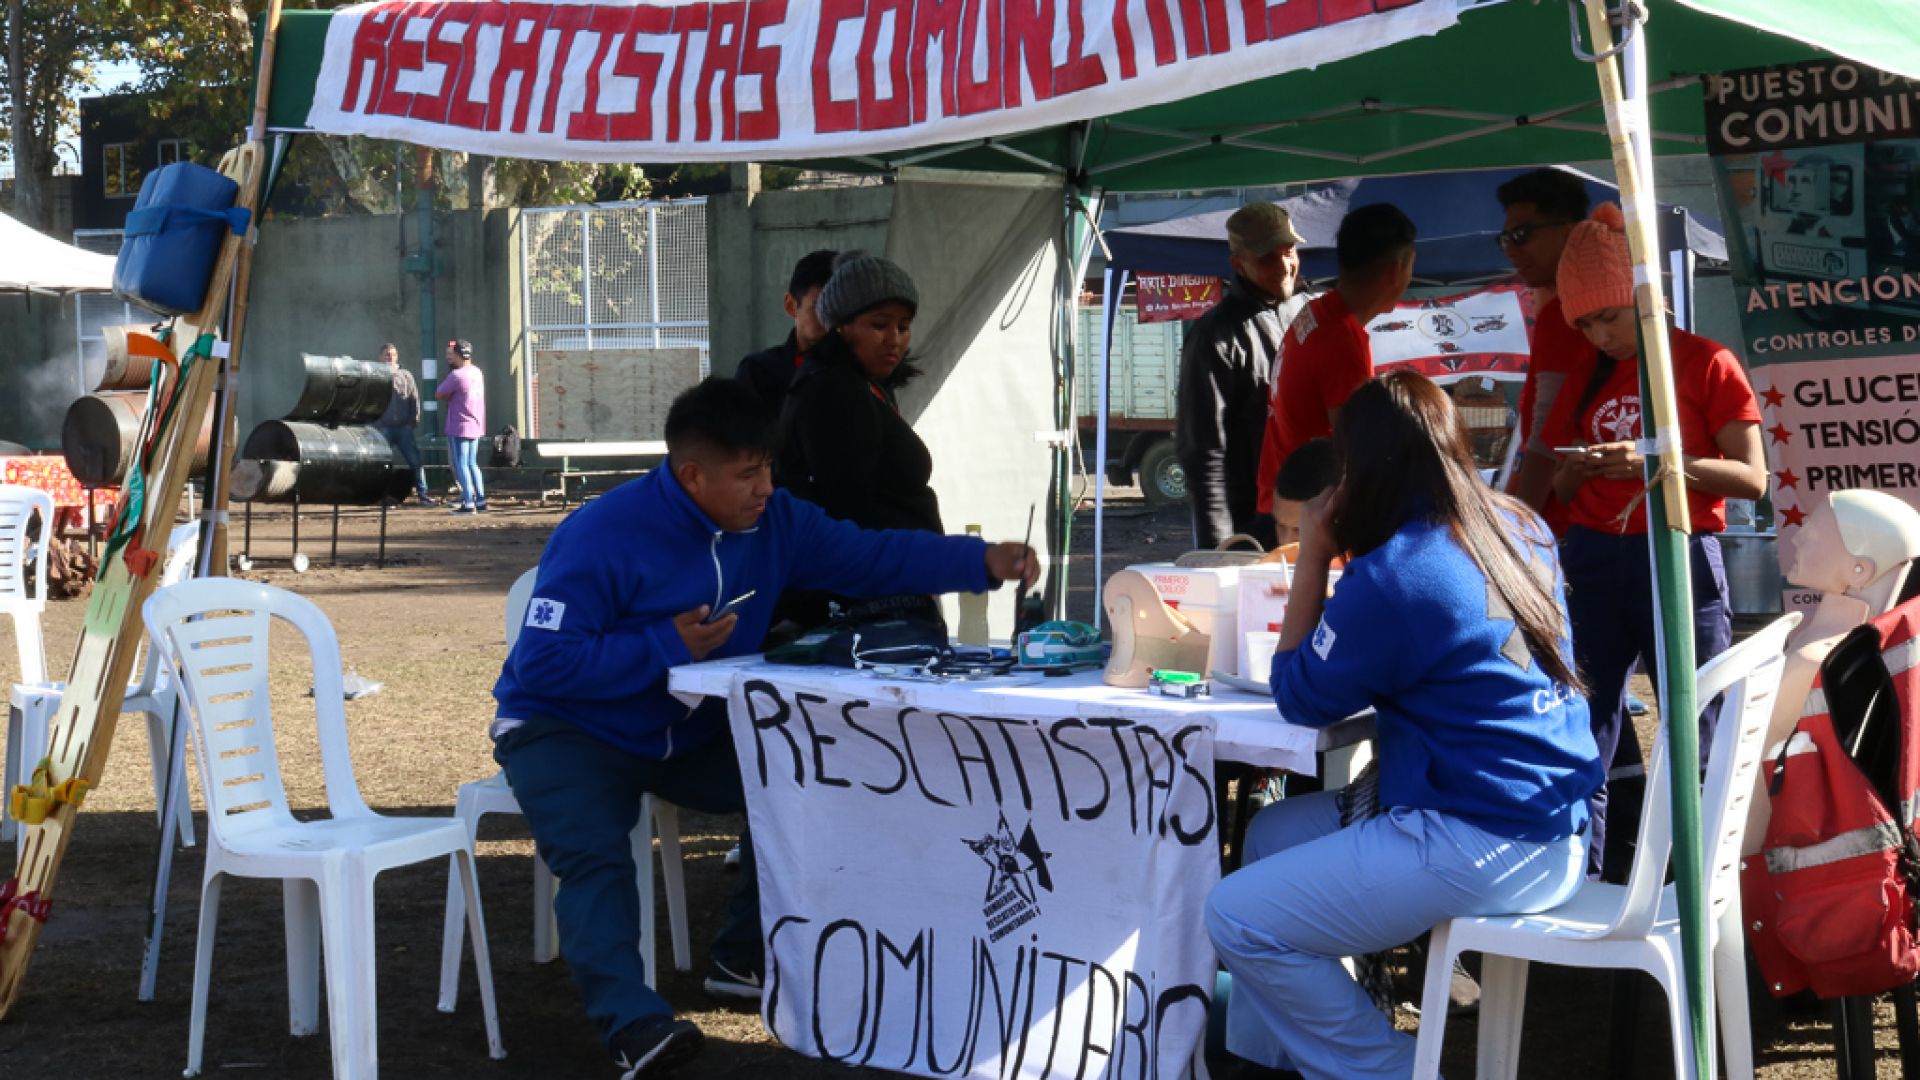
(845, 447)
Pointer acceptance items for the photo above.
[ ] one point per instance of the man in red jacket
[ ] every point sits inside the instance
(1326, 355)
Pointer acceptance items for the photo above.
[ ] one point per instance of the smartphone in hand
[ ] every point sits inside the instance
(729, 607)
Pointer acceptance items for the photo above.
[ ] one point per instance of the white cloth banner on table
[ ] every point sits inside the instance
(617, 80)
(980, 896)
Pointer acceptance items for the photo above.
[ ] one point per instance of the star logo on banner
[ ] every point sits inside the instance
(1774, 398)
(1775, 165)
(1780, 433)
(1788, 479)
(1793, 516)
(1019, 865)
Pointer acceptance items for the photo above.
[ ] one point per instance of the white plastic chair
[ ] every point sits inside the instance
(23, 574)
(214, 634)
(32, 707)
(479, 798)
(1635, 925)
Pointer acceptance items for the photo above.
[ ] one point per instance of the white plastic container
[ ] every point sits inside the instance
(1261, 609)
(1209, 598)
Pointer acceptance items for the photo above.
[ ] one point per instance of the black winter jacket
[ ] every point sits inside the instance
(846, 449)
(770, 371)
(1226, 372)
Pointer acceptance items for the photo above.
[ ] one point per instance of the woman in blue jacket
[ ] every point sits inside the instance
(1449, 622)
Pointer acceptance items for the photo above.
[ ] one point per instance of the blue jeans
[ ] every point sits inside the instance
(581, 798)
(403, 443)
(1610, 602)
(466, 470)
(1312, 892)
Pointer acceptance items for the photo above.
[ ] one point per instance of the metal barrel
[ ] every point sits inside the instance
(350, 465)
(342, 390)
(264, 481)
(101, 437)
(124, 372)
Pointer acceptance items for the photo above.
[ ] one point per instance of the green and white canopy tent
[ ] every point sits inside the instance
(1105, 95)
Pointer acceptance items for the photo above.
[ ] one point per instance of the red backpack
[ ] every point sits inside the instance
(1829, 900)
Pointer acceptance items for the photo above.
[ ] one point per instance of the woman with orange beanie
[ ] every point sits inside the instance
(1604, 552)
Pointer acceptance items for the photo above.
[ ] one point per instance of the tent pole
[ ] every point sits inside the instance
(1109, 303)
(1668, 521)
(1082, 208)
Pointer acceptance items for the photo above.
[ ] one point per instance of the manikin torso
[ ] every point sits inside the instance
(1855, 591)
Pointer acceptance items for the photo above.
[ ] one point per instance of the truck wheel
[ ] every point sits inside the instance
(1162, 479)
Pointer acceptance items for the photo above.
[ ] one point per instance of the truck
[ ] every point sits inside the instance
(1145, 376)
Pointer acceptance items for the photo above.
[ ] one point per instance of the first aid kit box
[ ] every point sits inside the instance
(173, 237)
(1206, 596)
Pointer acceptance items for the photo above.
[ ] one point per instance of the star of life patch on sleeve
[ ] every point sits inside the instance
(544, 614)
(1323, 639)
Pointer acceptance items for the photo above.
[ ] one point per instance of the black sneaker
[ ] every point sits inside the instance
(723, 981)
(461, 510)
(480, 507)
(655, 1046)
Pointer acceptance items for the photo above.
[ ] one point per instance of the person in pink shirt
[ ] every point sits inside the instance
(465, 394)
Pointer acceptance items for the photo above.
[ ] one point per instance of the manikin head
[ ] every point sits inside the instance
(1855, 542)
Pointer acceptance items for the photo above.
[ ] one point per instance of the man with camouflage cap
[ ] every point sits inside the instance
(1226, 369)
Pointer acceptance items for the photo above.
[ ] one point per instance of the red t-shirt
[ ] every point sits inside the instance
(1324, 359)
(1712, 392)
(1560, 354)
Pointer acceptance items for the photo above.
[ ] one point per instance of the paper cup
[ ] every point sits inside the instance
(1259, 646)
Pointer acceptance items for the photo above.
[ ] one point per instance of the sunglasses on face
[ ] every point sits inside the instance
(1520, 234)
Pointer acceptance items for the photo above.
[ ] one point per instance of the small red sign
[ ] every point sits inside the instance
(1165, 297)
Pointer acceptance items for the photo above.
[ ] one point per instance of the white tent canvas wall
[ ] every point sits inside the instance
(32, 261)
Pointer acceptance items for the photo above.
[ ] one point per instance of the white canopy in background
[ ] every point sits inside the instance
(32, 261)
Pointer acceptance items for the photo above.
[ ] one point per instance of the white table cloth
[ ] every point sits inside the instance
(994, 879)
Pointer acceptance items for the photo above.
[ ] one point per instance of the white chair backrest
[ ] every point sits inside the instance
(518, 597)
(22, 561)
(213, 633)
(182, 545)
(1748, 674)
(1747, 709)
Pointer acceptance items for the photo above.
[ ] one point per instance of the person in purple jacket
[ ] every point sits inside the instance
(586, 726)
(1450, 622)
(464, 391)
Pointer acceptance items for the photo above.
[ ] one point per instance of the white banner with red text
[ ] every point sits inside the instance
(789, 79)
(993, 897)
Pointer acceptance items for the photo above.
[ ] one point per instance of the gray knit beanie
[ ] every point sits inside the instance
(861, 281)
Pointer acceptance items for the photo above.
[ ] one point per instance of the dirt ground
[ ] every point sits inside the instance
(428, 626)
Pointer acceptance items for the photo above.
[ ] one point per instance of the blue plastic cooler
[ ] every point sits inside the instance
(173, 237)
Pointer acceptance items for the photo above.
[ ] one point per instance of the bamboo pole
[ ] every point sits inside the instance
(1668, 520)
(213, 547)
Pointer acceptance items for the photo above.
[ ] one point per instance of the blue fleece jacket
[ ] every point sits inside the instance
(599, 635)
(1469, 725)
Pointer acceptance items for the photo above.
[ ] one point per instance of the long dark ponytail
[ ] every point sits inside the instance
(1404, 453)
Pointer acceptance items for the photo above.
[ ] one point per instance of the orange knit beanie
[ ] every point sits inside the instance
(1595, 269)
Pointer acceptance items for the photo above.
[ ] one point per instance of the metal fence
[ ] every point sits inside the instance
(94, 312)
(613, 276)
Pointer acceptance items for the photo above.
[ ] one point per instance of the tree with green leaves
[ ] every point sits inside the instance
(52, 49)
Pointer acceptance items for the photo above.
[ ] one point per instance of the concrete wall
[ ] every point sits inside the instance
(340, 286)
(753, 242)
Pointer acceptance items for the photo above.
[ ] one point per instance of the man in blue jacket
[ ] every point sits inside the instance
(585, 725)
